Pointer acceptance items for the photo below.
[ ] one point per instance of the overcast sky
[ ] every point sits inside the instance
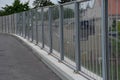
(4, 2)
(9, 2)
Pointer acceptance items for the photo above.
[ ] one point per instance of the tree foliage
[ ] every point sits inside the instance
(16, 7)
(68, 13)
(64, 1)
(41, 3)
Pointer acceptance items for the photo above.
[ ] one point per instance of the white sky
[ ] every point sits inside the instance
(9, 2)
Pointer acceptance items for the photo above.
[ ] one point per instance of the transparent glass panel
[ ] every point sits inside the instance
(39, 24)
(55, 29)
(68, 31)
(90, 38)
(114, 39)
(46, 27)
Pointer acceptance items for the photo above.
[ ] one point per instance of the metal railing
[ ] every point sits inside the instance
(83, 35)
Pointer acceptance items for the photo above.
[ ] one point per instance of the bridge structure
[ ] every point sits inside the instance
(75, 40)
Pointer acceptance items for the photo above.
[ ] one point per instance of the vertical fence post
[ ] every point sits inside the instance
(32, 23)
(15, 21)
(11, 24)
(8, 24)
(16, 24)
(42, 22)
(104, 28)
(61, 16)
(27, 25)
(36, 22)
(50, 28)
(2, 23)
(27, 32)
(23, 24)
(5, 23)
(77, 38)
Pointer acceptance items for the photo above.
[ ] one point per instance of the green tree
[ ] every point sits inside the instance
(64, 1)
(68, 13)
(41, 3)
(16, 7)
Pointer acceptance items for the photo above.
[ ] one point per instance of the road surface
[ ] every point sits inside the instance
(17, 62)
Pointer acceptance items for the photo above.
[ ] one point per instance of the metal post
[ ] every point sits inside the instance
(27, 25)
(42, 22)
(5, 23)
(15, 23)
(11, 24)
(8, 24)
(36, 21)
(61, 33)
(104, 29)
(2, 23)
(20, 27)
(18, 23)
(23, 24)
(77, 38)
(50, 28)
(32, 23)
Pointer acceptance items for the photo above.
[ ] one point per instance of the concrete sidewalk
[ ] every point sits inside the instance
(17, 62)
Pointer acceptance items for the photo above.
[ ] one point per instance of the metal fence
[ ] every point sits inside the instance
(85, 35)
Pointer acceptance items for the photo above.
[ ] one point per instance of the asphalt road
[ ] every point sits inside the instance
(17, 62)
